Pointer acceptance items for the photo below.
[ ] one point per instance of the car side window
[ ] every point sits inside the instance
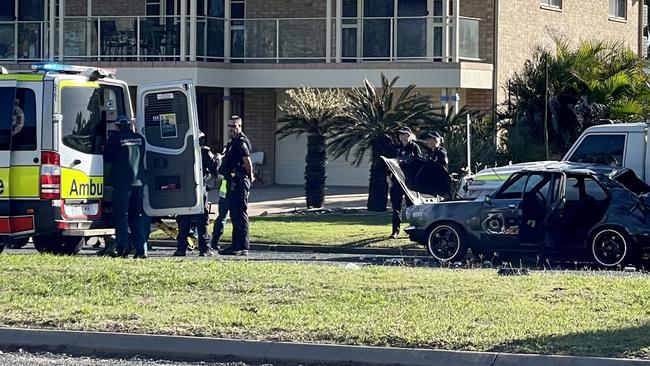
(514, 188)
(600, 149)
(594, 190)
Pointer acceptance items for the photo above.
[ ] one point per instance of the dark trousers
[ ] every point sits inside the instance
(220, 222)
(238, 190)
(396, 194)
(129, 216)
(185, 223)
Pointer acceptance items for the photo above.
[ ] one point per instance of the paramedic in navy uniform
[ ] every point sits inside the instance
(238, 172)
(124, 152)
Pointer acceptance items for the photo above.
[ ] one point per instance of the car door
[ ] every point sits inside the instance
(167, 118)
(584, 204)
(499, 214)
(7, 97)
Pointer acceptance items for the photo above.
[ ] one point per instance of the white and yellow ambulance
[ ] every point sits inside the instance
(54, 122)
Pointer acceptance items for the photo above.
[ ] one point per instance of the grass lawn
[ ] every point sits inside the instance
(335, 229)
(578, 314)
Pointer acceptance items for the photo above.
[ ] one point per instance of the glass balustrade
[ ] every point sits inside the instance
(273, 40)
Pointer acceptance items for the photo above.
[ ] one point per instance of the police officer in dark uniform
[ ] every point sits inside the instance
(437, 154)
(238, 172)
(185, 222)
(406, 150)
(124, 154)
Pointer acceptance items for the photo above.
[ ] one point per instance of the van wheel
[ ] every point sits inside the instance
(59, 244)
(611, 247)
(446, 242)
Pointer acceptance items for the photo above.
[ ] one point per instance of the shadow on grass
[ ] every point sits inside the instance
(623, 342)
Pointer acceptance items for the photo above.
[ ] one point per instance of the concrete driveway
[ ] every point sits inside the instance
(286, 198)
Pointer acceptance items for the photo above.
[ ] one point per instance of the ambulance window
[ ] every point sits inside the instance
(6, 115)
(24, 125)
(83, 128)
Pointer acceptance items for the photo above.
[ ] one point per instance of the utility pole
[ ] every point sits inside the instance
(546, 105)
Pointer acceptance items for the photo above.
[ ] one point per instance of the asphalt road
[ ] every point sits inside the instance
(355, 260)
(20, 358)
(297, 257)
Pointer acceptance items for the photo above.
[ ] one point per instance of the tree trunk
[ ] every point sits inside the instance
(315, 171)
(378, 187)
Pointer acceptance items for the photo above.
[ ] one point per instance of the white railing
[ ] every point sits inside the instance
(273, 40)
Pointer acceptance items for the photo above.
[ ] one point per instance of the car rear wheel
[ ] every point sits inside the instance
(446, 242)
(611, 247)
(58, 244)
(2, 246)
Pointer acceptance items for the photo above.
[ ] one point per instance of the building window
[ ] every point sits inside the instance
(552, 3)
(618, 9)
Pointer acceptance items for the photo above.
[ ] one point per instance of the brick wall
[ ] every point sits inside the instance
(285, 8)
(259, 126)
(478, 99)
(105, 7)
(523, 24)
(484, 10)
(305, 37)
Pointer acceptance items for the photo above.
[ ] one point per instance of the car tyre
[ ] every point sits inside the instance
(611, 247)
(2, 247)
(446, 242)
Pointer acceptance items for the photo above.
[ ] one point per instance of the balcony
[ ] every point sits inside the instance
(274, 40)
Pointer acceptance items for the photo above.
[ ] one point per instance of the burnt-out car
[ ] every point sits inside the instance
(558, 210)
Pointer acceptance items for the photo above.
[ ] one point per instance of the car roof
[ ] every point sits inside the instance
(571, 167)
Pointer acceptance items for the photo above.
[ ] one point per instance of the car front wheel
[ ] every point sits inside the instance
(610, 247)
(446, 242)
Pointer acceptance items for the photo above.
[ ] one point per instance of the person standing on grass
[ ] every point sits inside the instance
(210, 165)
(238, 173)
(406, 150)
(124, 153)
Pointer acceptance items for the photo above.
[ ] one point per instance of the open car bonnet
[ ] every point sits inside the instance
(422, 181)
(630, 180)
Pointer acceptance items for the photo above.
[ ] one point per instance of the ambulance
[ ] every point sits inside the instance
(54, 122)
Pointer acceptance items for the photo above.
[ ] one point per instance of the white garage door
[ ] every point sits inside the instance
(290, 165)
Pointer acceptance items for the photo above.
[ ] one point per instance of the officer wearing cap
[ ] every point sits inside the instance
(437, 154)
(210, 165)
(238, 172)
(124, 155)
(406, 150)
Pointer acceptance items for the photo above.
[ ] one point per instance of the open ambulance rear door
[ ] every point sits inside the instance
(167, 118)
(7, 97)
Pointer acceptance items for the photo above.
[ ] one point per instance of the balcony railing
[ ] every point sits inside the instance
(274, 40)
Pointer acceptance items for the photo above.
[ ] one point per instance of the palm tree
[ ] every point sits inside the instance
(370, 120)
(309, 111)
(453, 127)
(583, 85)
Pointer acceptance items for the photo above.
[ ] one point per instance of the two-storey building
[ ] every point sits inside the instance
(243, 54)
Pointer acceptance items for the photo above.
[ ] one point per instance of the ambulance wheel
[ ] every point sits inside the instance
(59, 244)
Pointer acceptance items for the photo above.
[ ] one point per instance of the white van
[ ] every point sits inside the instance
(54, 122)
(617, 145)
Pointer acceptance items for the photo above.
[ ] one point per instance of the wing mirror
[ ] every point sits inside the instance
(488, 200)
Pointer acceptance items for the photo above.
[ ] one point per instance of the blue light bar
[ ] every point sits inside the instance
(89, 71)
(53, 66)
